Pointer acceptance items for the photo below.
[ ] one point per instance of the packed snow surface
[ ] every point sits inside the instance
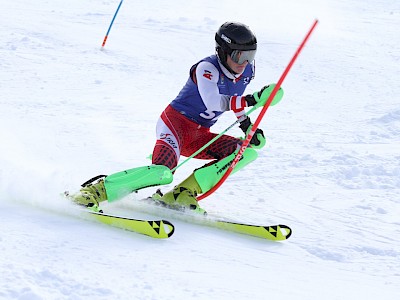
(331, 168)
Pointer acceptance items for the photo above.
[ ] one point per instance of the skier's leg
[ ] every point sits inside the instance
(182, 196)
(209, 175)
(118, 185)
(203, 179)
(224, 151)
(169, 132)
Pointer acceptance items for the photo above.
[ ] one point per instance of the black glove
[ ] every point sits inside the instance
(250, 100)
(258, 140)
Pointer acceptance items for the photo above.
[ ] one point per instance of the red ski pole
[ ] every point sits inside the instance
(259, 118)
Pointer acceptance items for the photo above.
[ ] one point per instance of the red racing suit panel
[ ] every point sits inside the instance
(177, 135)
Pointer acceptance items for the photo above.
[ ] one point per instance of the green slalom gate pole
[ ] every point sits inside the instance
(260, 116)
(214, 139)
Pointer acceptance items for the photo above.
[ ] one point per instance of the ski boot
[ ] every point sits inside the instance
(182, 196)
(90, 195)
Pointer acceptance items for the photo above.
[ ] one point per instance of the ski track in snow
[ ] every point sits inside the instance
(330, 170)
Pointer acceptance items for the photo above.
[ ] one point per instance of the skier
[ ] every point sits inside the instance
(216, 84)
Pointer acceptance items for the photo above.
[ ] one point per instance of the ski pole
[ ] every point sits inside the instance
(213, 140)
(259, 118)
(112, 22)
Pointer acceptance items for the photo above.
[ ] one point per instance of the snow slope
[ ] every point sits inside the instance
(331, 171)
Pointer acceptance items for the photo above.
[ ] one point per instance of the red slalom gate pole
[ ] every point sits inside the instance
(260, 116)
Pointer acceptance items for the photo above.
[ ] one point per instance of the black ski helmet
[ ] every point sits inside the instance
(233, 36)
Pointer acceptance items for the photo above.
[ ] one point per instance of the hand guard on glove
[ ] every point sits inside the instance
(258, 140)
(261, 97)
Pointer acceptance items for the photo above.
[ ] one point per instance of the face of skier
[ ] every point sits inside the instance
(236, 67)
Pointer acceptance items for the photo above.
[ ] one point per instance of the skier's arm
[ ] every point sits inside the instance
(207, 78)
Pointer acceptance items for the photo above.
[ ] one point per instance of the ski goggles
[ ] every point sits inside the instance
(240, 56)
